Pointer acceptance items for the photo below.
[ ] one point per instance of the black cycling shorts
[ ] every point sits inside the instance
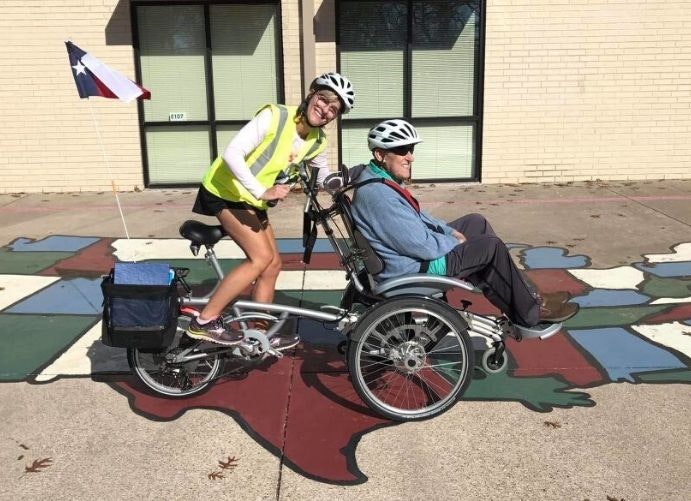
(209, 204)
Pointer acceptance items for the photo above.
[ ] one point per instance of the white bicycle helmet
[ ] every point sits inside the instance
(340, 85)
(392, 134)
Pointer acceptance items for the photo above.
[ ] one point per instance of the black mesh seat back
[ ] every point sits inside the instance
(370, 259)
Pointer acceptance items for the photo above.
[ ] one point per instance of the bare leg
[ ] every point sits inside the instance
(265, 286)
(245, 228)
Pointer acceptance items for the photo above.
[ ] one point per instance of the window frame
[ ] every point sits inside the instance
(211, 121)
(474, 120)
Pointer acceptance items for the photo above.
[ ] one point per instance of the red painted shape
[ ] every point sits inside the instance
(553, 356)
(556, 280)
(325, 421)
(323, 415)
(677, 313)
(93, 260)
(319, 261)
(321, 358)
(480, 304)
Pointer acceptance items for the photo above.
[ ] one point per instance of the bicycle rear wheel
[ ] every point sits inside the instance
(410, 358)
(176, 380)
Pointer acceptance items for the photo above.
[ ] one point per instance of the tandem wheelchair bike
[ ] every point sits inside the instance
(409, 353)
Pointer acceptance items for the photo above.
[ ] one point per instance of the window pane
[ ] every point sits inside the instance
(443, 58)
(172, 47)
(354, 144)
(224, 133)
(243, 41)
(445, 153)
(177, 154)
(372, 40)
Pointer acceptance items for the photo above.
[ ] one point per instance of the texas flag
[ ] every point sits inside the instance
(93, 78)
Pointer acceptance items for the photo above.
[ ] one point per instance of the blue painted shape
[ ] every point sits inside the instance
(77, 296)
(294, 245)
(622, 354)
(605, 297)
(667, 270)
(552, 257)
(55, 243)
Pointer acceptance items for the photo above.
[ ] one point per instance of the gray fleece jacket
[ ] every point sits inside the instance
(395, 230)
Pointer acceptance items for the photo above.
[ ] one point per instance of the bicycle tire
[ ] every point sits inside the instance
(174, 380)
(410, 358)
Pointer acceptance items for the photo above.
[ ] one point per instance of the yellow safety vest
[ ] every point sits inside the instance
(271, 156)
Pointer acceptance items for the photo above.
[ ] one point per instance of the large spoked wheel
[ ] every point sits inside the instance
(410, 358)
(176, 380)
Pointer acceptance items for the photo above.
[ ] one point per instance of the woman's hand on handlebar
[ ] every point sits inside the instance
(277, 192)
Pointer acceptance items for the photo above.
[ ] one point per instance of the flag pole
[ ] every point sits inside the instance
(110, 172)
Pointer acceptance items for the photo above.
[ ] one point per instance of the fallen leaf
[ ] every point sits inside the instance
(228, 464)
(38, 465)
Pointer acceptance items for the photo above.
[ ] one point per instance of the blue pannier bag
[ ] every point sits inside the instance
(140, 306)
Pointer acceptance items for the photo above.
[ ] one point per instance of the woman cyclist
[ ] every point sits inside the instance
(240, 182)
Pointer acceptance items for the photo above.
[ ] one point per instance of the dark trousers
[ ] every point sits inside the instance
(484, 260)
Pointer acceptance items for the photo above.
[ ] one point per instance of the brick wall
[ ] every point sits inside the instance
(325, 61)
(595, 89)
(290, 18)
(49, 140)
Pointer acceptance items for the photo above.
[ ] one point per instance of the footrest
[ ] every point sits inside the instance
(539, 331)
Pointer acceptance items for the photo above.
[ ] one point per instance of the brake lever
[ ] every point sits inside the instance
(282, 178)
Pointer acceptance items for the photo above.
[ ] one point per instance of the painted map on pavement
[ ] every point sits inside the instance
(634, 326)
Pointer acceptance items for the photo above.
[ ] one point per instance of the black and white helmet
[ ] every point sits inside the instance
(340, 85)
(392, 134)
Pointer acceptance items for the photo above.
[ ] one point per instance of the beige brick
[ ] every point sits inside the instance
(618, 68)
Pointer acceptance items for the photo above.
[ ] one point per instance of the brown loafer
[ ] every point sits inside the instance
(555, 313)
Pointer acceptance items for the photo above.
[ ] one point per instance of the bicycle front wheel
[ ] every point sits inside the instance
(410, 358)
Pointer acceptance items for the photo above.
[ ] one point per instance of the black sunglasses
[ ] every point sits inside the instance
(402, 150)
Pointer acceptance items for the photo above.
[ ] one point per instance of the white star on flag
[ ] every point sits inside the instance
(79, 68)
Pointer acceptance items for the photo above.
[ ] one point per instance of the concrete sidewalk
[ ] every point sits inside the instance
(598, 412)
(610, 221)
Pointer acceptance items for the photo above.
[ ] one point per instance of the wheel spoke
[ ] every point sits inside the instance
(427, 360)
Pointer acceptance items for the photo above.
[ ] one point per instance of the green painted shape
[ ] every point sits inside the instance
(29, 342)
(29, 263)
(288, 297)
(315, 299)
(610, 317)
(537, 393)
(666, 287)
(669, 377)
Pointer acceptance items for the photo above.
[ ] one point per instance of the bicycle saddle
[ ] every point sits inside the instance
(200, 233)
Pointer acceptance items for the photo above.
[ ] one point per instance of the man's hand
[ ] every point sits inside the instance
(458, 236)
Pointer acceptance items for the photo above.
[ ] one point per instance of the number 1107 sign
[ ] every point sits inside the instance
(177, 117)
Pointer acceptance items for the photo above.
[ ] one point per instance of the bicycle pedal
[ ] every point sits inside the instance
(275, 353)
